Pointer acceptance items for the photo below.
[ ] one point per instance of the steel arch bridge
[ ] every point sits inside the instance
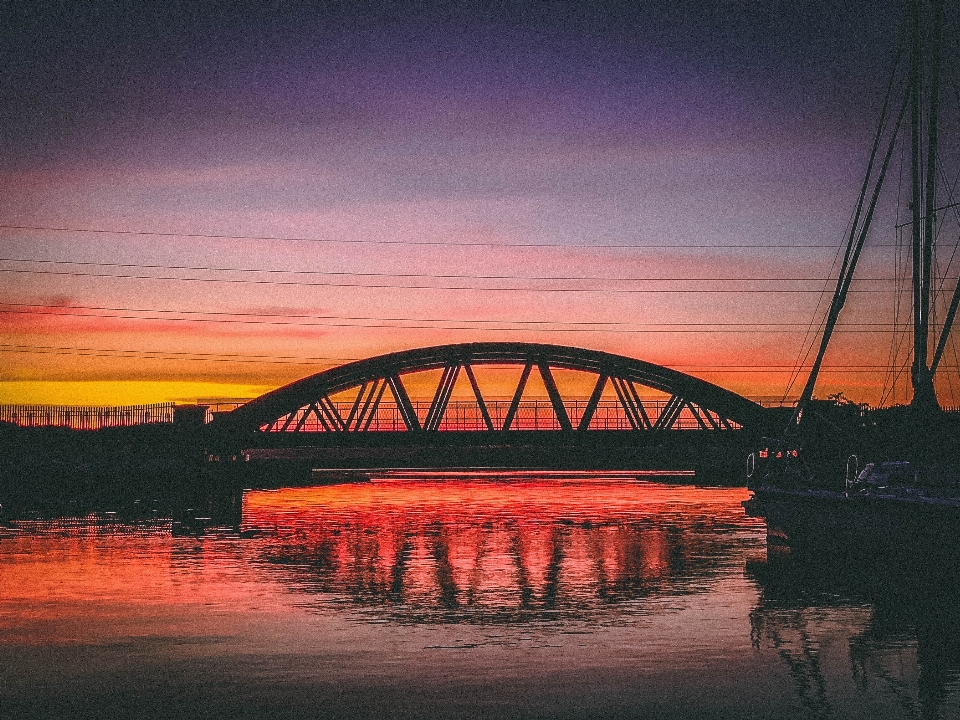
(307, 408)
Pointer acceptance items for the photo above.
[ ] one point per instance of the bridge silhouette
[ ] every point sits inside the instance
(362, 414)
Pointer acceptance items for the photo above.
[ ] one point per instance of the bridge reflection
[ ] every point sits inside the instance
(490, 551)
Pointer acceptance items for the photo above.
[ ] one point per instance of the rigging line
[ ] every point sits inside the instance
(768, 329)
(364, 241)
(955, 299)
(381, 286)
(803, 355)
(342, 273)
(956, 363)
(895, 371)
(843, 284)
(884, 117)
(809, 341)
(934, 268)
(412, 319)
(899, 341)
(809, 337)
(895, 340)
(904, 301)
(902, 369)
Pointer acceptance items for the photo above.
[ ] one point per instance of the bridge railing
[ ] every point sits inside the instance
(86, 417)
(530, 415)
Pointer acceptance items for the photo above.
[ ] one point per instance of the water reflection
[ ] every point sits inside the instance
(551, 596)
(481, 551)
(895, 626)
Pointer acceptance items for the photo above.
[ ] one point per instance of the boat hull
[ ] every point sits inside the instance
(834, 523)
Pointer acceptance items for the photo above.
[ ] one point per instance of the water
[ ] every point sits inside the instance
(441, 596)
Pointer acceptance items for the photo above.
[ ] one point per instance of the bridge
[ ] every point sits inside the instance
(364, 414)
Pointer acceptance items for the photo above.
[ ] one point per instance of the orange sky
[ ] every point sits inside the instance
(77, 339)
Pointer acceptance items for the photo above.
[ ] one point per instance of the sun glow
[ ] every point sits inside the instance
(119, 392)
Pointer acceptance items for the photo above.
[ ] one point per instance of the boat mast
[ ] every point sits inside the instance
(955, 301)
(923, 205)
(923, 208)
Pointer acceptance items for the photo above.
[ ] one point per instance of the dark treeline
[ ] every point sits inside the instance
(54, 471)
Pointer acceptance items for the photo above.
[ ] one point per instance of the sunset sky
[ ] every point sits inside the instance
(214, 200)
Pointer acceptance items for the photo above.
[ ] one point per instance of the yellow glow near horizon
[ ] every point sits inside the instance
(120, 392)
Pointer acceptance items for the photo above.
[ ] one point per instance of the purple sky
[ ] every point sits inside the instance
(674, 133)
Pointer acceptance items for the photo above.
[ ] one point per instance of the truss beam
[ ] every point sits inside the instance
(307, 404)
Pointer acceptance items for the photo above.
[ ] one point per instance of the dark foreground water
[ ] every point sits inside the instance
(558, 597)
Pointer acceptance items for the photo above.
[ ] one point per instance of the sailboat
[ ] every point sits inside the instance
(888, 479)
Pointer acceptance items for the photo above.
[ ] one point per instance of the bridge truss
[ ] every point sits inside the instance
(372, 395)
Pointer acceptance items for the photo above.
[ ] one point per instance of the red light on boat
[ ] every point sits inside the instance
(764, 453)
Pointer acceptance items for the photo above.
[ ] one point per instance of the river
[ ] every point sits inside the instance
(440, 595)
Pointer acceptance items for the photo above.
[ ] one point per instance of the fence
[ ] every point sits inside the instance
(530, 415)
(459, 416)
(85, 417)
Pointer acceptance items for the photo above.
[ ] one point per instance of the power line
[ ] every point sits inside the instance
(472, 288)
(333, 361)
(365, 241)
(342, 273)
(359, 317)
(416, 319)
(372, 322)
(168, 355)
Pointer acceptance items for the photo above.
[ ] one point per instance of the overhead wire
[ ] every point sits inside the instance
(472, 288)
(433, 276)
(334, 361)
(415, 243)
(363, 321)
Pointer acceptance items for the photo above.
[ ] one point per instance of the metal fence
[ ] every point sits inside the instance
(531, 415)
(86, 417)
(466, 415)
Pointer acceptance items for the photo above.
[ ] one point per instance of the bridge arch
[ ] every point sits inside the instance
(289, 408)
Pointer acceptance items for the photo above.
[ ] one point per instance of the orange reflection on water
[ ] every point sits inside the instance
(535, 544)
(80, 581)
